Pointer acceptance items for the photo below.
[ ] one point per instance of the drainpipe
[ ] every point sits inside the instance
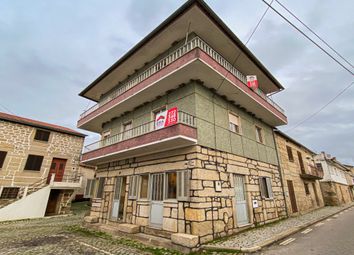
(281, 173)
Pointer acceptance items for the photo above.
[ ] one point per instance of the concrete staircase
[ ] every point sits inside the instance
(25, 192)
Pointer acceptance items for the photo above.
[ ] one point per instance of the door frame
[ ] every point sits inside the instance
(123, 183)
(50, 168)
(156, 202)
(246, 201)
(293, 203)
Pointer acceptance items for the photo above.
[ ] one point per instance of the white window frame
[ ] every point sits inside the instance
(183, 187)
(268, 187)
(98, 181)
(236, 130)
(259, 135)
(133, 186)
(89, 188)
(139, 187)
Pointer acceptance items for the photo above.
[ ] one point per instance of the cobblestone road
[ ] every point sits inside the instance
(54, 236)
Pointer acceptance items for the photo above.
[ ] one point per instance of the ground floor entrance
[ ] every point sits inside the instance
(157, 184)
(241, 200)
(292, 196)
(117, 212)
(53, 202)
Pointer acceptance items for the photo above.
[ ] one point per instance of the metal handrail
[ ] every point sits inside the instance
(145, 128)
(196, 42)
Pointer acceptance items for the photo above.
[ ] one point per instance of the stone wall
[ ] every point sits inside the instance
(18, 141)
(291, 172)
(335, 194)
(208, 213)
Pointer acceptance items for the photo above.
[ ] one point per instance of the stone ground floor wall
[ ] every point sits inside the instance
(304, 202)
(209, 212)
(335, 193)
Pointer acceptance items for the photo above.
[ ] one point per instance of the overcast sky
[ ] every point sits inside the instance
(51, 50)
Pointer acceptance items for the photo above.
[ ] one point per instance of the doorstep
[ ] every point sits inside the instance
(146, 239)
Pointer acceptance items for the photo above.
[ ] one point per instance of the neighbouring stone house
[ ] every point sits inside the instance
(335, 187)
(187, 148)
(39, 167)
(350, 179)
(300, 175)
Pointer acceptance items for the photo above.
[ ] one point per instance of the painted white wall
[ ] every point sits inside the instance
(31, 206)
(330, 171)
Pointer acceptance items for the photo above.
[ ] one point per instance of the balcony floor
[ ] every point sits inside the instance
(194, 65)
(168, 138)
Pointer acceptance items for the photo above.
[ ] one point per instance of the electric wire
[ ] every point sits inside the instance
(309, 38)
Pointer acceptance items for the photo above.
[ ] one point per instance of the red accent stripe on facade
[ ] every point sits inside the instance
(192, 55)
(154, 136)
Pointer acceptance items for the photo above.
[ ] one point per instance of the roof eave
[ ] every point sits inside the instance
(165, 23)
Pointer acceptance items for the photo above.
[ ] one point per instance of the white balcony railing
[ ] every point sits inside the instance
(145, 128)
(196, 42)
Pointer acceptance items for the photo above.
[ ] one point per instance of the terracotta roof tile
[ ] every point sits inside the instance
(40, 124)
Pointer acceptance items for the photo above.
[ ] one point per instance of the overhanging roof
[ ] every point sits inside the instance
(247, 59)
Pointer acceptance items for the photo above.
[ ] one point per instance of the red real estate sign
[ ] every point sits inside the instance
(166, 118)
(252, 81)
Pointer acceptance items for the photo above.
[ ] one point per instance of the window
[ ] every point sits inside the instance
(100, 187)
(42, 135)
(144, 184)
(171, 185)
(106, 134)
(9, 192)
(307, 191)
(34, 162)
(2, 158)
(301, 162)
(234, 123)
(90, 187)
(266, 187)
(259, 135)
(290, 153)
(133, 187)
(319, 166)
(127, 130)
(183, 185)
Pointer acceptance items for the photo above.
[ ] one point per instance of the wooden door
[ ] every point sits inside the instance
(52, 205)
(292, 196)
(241, 201)
(57, 167)
(156, 204)
(316, 195)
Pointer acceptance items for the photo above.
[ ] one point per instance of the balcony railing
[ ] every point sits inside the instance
(145, 128)
(196, 42)
(312, 173)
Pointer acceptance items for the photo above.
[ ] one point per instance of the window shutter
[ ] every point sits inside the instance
(269, 187)
(262, 188)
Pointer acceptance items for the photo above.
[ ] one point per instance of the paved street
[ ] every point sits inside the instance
(332, 236)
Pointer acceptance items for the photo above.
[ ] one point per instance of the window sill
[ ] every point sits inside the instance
(171, 200)
(40, 141)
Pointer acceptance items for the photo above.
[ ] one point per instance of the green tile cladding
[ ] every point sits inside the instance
(213, 124)
(212, 113)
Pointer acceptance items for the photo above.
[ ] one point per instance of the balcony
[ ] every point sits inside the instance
(66, 182)
(193, 60)
(143, 139)
(313, 173)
